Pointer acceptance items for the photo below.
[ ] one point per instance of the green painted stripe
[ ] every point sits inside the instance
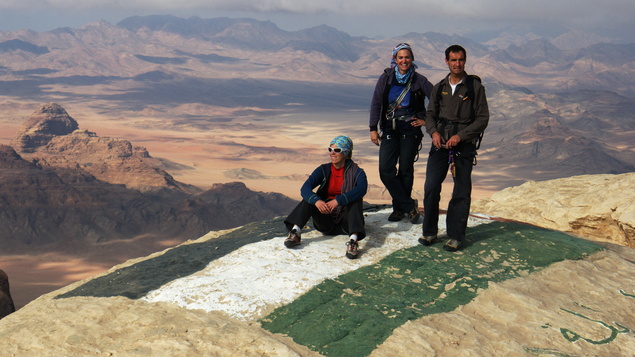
(137, 280)
(351, 315)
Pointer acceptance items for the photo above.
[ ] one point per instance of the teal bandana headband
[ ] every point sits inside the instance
(343, 142)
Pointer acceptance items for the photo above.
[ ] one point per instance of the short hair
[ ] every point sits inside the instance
(454, 48)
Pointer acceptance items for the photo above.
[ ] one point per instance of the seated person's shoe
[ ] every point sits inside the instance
(396, 216)
(452, 245)
(427, 240)
(414, 215)
(351, 249)
(293, 239)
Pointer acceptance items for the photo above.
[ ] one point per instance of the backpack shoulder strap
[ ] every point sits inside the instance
(469, 83)
(470, 94)
(438, 93)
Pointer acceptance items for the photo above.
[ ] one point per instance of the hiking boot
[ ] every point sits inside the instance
(293, 239)
(452, 245)
(351, 249)
(427, 240)
(396, 216)
(414, 215)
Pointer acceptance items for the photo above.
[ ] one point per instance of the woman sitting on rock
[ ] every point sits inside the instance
(336, 207)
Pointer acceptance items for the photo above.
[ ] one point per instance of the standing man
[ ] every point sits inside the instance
(456, 118)
(397, 113)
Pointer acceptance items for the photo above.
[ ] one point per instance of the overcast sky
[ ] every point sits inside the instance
(372, 18)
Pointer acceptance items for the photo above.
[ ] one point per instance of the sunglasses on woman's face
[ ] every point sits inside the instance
(336, 150)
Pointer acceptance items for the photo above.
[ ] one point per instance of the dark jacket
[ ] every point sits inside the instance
(420, 89)
(320, 177)
(455, 114)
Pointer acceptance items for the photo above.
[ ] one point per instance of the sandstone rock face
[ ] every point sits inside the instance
(53, 139)
(61, 207)
(65, 188)
(158, 329)
(213, 206)
(6, 302)
(599, 207)
(70, 207)
(112, 160)
(48, 121)
(9, 159)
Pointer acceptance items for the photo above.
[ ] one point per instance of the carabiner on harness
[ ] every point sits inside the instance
(451, 162)
(418, 150)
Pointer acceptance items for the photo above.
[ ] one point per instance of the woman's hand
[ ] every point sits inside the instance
(417, 122)
(323, 207)
(374, 137)
(326, 207)
(332, 204)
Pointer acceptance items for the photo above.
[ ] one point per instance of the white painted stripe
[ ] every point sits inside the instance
(258, 277)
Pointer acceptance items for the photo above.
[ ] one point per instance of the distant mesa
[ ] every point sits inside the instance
(250, 174)
(245, 174)
(48, 121)
(53, 139)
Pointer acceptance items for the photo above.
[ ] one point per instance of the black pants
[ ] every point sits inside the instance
(396, 166)
(352, 219)
(459, 206)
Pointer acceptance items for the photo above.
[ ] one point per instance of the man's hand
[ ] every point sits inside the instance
(453, 141)
(437, 140)
(374, 137)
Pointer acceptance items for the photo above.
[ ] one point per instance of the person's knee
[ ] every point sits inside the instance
(387, 172)
(406, 170)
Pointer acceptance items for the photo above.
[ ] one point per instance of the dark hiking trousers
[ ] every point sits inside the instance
(459, 206)
(352, 219)
(397, 153)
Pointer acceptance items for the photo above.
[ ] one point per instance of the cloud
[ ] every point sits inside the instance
(555, 10)
(365, 15)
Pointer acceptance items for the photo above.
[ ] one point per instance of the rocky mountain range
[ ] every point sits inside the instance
(206, 48)
(577, 84)
(561, 134)
(67, 189)
(557, 110)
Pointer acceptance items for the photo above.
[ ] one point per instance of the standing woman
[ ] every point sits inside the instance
(397, 113)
